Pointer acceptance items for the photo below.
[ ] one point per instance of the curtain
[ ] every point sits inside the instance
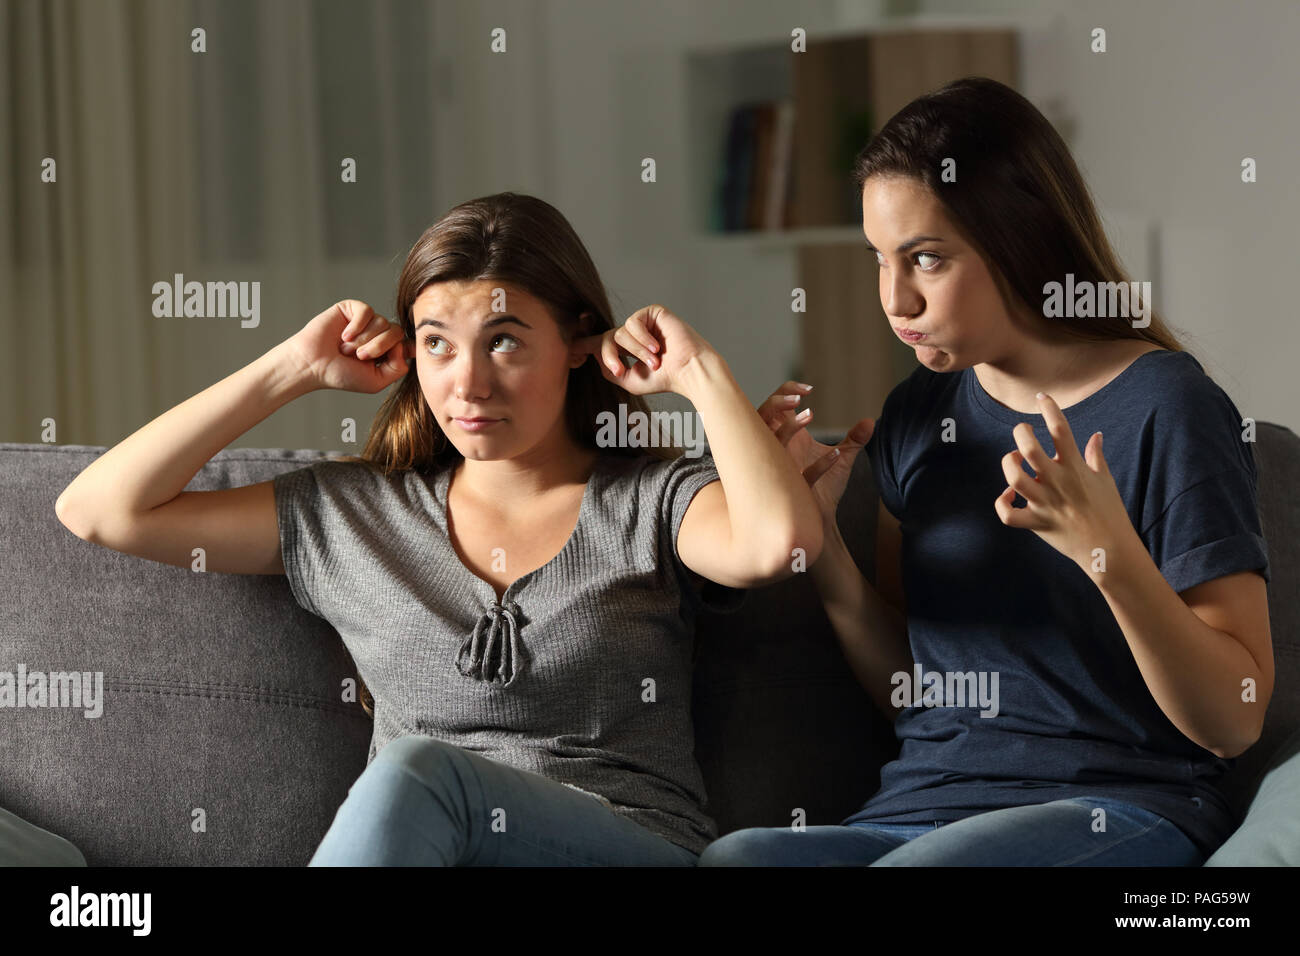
(221, 166)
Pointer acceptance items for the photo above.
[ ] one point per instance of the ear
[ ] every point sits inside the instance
(583, 330)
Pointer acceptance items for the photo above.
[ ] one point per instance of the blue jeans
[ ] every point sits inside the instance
(1059, 833)
(423, 802)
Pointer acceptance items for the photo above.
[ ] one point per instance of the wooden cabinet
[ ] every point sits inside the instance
(843, 89)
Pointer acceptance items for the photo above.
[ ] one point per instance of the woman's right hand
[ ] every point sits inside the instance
(825, 468)
(327, 348)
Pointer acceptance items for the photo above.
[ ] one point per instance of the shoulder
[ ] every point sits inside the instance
(1176, 389)
(637, 482)
(637, 473)
(349, 480)
(1188, 420)
(917, 398)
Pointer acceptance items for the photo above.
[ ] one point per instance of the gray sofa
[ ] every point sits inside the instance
(223, 739)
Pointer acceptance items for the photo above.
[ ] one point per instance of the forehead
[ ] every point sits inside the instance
(898, 204)
(473, 298)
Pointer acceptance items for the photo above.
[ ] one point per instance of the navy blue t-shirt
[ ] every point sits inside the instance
(1074, 715)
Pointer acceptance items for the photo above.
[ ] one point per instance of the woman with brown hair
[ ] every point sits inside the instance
(1069, 677)
(516, 583)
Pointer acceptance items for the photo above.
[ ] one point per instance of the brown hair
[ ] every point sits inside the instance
(1018, 196)
(526, 242)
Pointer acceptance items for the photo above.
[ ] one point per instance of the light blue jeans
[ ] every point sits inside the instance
(423, 802)
(1059, 833)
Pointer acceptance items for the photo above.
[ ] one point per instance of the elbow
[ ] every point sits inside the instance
(73, 518)
(64, 512)
(791, 555)
(1236, 749)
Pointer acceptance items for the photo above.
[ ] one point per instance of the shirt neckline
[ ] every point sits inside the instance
(975, 393)
(442, 485)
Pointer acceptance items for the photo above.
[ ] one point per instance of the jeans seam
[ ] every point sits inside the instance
(1092, 853)
(482, 792)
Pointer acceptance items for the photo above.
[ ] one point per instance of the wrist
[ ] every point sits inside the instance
(1111, 561)
(285, 375)
(703, 371)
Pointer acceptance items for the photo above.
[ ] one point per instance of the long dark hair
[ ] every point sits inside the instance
(526, 242)
(1018, 196)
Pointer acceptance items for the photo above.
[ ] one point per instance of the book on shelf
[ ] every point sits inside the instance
(757, 166)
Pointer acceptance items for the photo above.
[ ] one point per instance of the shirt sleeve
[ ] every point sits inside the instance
(881, 450)
(1202, 492)
(297, 496)
(686, 476)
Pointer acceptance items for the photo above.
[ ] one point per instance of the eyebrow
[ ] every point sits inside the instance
(490, 323)
(911, 243)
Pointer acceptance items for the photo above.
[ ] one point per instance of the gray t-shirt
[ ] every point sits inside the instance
(582, 673)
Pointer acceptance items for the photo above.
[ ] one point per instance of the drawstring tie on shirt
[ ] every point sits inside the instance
(493, 652)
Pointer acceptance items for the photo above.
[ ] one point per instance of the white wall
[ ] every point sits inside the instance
(1159, 123)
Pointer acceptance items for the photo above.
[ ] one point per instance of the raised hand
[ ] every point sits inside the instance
(353, 348)
(825, 468)
(1071, 500)
(663, 344)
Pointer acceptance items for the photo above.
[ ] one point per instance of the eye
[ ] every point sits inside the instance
(916, 256)
(430, 339)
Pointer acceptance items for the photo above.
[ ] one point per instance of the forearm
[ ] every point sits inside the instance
(770, 507)
(872, 634)
(154, 464)
(1194, 671)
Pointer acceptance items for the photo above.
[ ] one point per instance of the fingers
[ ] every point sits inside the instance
(1017, 479)
(641, 332)
(1030, 450)
(1007, 512)
(791, 424)
(1059, 429)
(635, 345)
(375, 339)
(822, 465)
(785, 398)
(359, 315)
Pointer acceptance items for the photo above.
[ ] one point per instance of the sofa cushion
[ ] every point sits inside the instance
(25, 844)
(1270, 834)
(223, 737)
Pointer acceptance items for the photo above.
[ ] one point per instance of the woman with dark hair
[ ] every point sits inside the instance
(1067, 678)
(515, 579)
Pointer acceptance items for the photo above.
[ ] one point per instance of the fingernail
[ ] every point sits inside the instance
(806, 388)
(790, 399)
(803, 415)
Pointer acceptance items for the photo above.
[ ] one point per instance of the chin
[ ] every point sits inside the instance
(934, 358)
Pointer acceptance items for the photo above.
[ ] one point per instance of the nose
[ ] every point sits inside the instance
(473, 376)
(898, 296)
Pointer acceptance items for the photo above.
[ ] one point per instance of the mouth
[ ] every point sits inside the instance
(908, 336)
(477, 424)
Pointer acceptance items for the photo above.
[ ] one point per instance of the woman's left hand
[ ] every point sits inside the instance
(1072, 501)
(661, 342)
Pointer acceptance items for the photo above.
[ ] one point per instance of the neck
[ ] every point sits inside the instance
(510, 484)
(1057, 367)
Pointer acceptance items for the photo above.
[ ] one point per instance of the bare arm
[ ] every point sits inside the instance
(130, 499)
(872, 633)
(743, 530)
